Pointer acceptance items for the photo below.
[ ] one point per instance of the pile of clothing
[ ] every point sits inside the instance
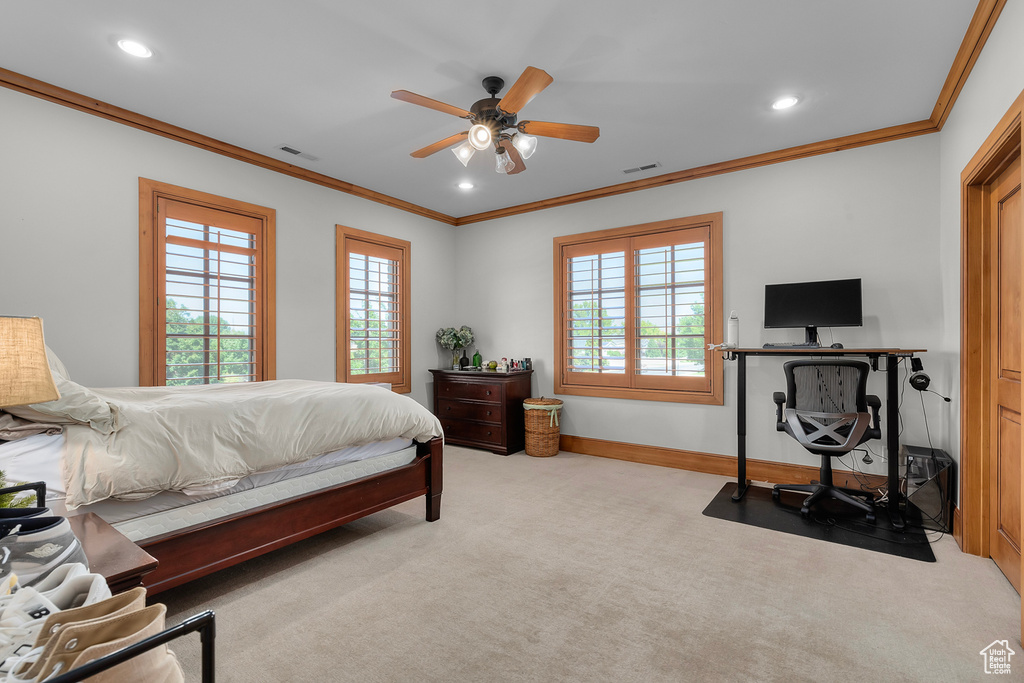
(55, 615)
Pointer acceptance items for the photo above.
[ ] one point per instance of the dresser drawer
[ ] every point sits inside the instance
(474, 391)
(458, 430)
(484, 412)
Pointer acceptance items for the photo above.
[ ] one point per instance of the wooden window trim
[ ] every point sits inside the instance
(373, 244)
(711, 394)
(151, 248)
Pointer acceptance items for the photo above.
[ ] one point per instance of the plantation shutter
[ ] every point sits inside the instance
(374, 297)
(598, 343)
(373, 309)
(638, 312)
(210, 293)
(669, 290)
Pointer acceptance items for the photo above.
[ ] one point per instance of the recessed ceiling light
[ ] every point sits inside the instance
(134, 48)
(785, 102)
(465, 186)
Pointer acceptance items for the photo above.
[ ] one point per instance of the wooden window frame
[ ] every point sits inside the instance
(708, 391)
(152, 276)
(376, 245)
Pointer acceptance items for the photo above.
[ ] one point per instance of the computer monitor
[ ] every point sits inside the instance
(810, 305)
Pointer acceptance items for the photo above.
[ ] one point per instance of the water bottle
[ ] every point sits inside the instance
(732, 331)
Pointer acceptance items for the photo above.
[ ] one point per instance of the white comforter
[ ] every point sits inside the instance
(170, 438)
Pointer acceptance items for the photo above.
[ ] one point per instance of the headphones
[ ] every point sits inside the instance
(921, 381)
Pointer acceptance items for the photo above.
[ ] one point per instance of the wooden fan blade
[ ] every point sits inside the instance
(413, 98)
(531, 82)
(563, 131)
(439, 145)
(516, 158)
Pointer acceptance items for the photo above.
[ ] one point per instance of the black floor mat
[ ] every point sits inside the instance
(830, 521)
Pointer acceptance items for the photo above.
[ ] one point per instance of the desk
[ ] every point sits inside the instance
(892, 432)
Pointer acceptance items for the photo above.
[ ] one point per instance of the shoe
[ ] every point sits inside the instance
(83, 642)
(8, 580)
(29, 667)
(21, 513)
(50, 582)
(32, 547)
(25, 613)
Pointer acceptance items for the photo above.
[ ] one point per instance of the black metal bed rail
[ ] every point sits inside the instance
(202, 622)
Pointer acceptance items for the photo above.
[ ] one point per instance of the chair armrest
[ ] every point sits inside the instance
(780, 422)
(874, 404)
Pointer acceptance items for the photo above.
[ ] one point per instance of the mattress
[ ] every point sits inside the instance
(38, 458)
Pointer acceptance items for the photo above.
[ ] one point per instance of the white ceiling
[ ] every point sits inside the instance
(682, 82)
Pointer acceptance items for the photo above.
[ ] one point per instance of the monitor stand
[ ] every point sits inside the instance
(811, 337)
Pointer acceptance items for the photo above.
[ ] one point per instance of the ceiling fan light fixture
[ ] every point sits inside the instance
(494, 123)
(480, 136)
(503, 162)
(464, 153)
(526, 144)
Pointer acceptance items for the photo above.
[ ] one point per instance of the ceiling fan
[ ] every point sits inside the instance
(495, 121)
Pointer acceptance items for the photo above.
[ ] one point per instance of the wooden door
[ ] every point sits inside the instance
(1004, 211)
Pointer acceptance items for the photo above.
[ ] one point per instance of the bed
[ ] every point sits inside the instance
(159, 465)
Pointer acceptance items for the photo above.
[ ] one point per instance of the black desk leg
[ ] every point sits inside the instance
(742, 483)
(892, 437)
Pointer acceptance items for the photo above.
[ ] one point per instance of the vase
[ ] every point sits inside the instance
(455, 359)
(464, 361)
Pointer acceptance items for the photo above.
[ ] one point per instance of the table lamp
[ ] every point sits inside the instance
(24, 371)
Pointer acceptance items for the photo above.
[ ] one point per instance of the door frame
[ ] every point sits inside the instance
(971, 517)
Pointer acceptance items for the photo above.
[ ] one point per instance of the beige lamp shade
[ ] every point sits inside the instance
(24, 372)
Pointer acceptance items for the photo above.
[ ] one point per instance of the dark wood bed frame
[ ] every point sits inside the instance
(190, 553)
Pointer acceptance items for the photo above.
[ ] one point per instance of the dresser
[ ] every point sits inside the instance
(482, 409)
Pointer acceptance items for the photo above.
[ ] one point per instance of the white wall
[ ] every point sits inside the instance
(69, 228)
(995, 82)
(870, 213)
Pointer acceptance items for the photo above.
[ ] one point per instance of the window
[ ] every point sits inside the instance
(206, 294)
(373, 309)
(636, 308)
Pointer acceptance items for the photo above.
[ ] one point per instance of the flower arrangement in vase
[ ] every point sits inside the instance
(454, 339)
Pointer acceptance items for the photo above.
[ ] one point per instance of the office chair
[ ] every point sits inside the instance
(825, 408)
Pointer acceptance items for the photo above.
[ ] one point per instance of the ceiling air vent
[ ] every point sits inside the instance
(645, 167)
(301, 155)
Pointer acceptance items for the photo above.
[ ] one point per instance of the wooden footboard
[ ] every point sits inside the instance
(190, 553)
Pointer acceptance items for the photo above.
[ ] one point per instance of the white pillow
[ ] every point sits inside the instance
(56, 367)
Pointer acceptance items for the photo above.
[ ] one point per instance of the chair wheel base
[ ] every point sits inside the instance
(775, 494)
(805, 512)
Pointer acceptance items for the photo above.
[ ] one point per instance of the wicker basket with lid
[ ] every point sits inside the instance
(542, 429)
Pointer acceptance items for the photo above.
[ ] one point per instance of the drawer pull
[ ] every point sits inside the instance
(488, 392)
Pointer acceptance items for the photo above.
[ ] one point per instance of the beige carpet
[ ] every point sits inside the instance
(576, 568)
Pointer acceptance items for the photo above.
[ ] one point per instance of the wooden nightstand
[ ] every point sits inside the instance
(482, 409)
(110, 553)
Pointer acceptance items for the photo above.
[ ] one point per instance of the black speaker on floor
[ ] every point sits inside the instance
(929, 477)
